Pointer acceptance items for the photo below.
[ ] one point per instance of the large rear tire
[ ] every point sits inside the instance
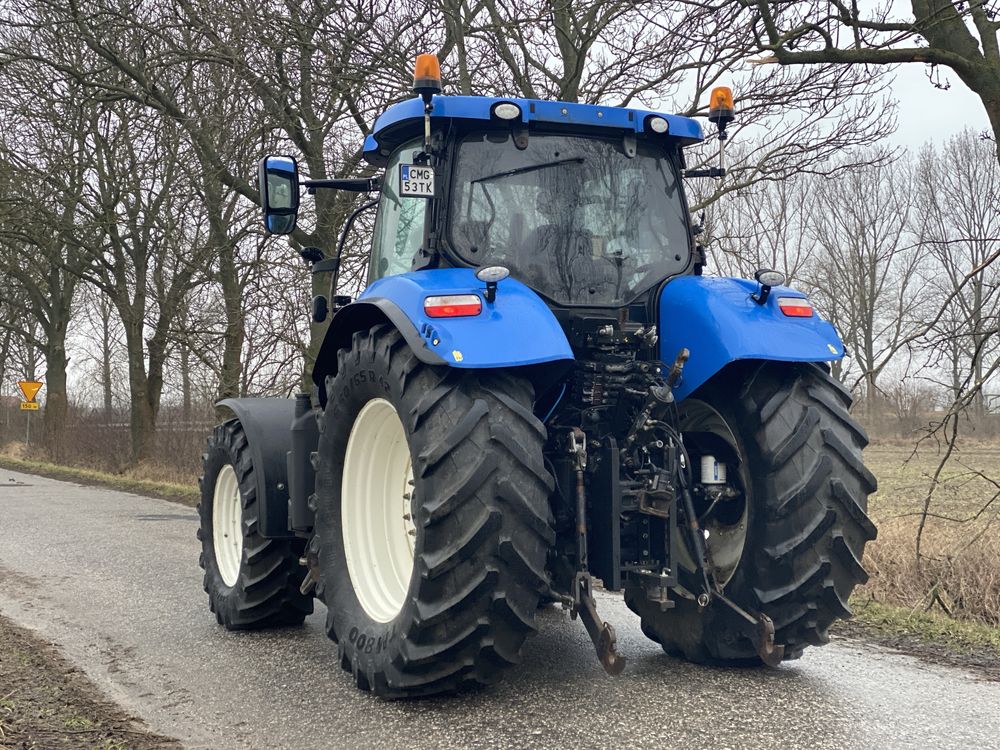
(432, 518)
(806, 517)
(252, 582)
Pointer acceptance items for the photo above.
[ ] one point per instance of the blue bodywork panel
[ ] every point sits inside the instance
(719, 323)
(518, 328)
(378, 145)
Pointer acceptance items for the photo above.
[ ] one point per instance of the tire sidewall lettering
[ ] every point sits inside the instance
(365, 381)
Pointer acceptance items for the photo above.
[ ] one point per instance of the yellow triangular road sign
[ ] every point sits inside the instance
(29, 388)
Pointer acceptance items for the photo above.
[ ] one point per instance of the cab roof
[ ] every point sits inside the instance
(395, 124)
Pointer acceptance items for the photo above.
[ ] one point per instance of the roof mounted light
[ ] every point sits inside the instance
(658, 125)
(427, 76)
(507, 111)
(426, 83)
(721, 109)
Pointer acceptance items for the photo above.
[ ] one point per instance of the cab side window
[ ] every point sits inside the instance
(399, 225)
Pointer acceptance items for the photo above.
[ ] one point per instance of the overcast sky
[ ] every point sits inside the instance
(926, 113)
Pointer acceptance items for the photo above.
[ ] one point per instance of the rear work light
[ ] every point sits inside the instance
(795, 307)
(453, 306)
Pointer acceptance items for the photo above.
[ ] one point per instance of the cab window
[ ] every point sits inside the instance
(399, 225)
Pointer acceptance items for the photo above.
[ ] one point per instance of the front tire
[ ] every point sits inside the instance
(476, 516)
(807, 524)
(251, 582)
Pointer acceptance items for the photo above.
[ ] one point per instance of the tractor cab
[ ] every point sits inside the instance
(582, 203)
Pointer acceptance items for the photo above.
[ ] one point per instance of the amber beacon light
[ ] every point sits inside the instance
(427, 76)
(720, 106)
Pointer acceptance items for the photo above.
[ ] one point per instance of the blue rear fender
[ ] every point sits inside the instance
(718, 322)
(517, 329)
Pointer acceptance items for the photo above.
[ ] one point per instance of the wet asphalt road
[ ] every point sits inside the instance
(113, 579)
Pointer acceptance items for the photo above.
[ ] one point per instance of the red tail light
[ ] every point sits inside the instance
(796, 307)
(453, 306)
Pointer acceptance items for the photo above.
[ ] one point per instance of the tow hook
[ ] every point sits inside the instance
(312, 574)
(769, 652)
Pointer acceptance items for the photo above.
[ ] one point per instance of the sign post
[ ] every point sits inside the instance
(29, 389)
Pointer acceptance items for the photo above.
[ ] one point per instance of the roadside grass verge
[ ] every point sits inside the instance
(958, 574)
(927, 626)
(140, 480)
(931, 635)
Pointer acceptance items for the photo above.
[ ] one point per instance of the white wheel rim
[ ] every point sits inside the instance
(227, 525)
(379, 534)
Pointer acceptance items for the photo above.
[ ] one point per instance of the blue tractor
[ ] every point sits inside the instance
(539, 388)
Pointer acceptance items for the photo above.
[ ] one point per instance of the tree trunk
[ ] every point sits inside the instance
(142, 423)
(106, 361)
(992, 104)
(232, 342)
(56, 407)
(4, 353)
(871, 395)
(185, 384)
(142, 420)
(156, 354)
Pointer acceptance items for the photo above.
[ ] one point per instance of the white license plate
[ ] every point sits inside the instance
(416, 181)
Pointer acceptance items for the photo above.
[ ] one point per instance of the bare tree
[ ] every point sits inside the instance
(766, 225)
(45, 159)
(961, 36)
(151, 250)
(667, 56)
(867, 277)
(958, 190)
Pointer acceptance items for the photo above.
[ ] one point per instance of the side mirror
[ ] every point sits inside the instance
(279, 193)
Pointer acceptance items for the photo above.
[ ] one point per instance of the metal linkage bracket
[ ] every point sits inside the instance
(763, 634)
(584, 606)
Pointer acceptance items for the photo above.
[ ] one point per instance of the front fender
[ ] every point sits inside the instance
(718, 322)
(267, 423)
(514, 330)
